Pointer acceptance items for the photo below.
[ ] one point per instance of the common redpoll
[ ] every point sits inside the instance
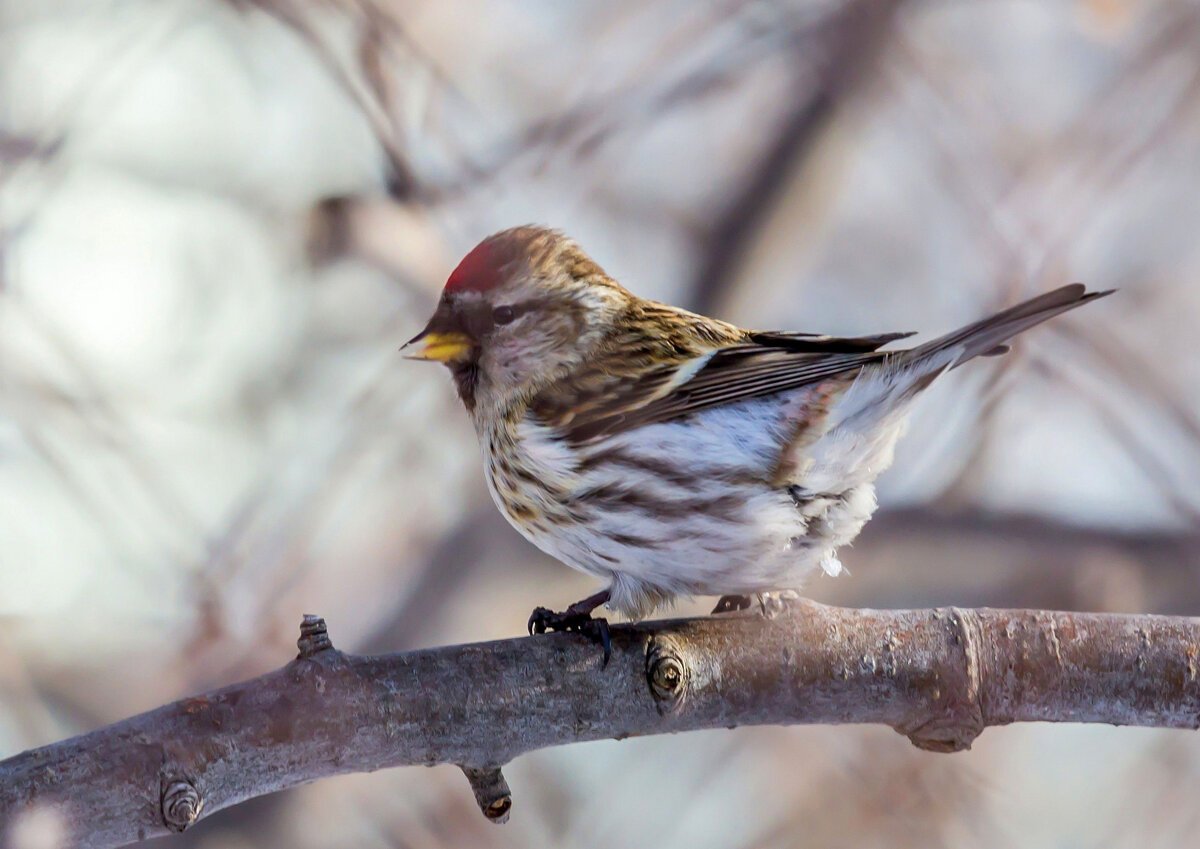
(667, 453)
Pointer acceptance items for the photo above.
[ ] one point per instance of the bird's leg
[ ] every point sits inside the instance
(577, 618)
(731, 603)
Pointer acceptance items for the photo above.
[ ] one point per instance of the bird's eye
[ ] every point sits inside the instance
(503, 315)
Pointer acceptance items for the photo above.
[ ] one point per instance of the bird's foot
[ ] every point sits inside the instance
(731, 603)
(775, 602)
(771, 603)
(576, 619)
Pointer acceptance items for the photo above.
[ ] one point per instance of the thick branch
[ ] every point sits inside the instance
(936, 676)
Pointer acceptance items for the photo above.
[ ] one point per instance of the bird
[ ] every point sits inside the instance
(666, 453)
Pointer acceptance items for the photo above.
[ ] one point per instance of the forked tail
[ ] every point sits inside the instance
(987, 337)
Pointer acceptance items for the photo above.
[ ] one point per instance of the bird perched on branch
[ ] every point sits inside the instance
(668, 453)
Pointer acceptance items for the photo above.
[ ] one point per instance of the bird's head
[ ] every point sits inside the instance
(523, 308)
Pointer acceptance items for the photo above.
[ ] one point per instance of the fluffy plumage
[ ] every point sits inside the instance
(668, 453)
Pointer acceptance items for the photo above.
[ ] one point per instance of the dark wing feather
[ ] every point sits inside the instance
(817, 344)
(731, 374)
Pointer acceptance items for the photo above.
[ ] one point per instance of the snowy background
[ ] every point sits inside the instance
(219, 220)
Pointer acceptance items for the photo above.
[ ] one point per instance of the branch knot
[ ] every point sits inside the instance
(666, 674)
(181, 804)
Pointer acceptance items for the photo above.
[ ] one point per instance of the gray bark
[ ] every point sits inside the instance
(937, 676)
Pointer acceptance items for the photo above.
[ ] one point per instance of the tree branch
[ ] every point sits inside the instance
(937, 676)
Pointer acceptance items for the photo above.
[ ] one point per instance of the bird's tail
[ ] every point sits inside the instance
(872, 408)
(988, 336)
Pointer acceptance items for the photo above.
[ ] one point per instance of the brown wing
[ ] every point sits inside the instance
(700, 364)
(623, 390)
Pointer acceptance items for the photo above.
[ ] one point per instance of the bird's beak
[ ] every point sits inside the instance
(449, 347)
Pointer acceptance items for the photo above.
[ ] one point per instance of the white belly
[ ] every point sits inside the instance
(689, 507)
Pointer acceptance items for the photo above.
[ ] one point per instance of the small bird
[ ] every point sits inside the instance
(667, 453)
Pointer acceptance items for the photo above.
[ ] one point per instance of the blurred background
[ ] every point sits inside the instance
(219, 220)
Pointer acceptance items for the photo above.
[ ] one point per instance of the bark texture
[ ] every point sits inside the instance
(937, 676)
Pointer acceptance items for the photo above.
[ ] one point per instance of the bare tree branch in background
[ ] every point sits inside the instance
(1029, 225)
(372, 92)
(854, 37)
(937, 676)
(979, 559)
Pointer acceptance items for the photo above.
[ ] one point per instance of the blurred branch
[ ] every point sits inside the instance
(450, 565)
(1161, 472)
(1016, 561)
(15, 148)
(682, 74)
(1028, 211)
(937, 676)
(852, 38)
(372, 92)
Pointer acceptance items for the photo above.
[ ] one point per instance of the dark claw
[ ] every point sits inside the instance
(541, 619)
(544, 619)
(730, 603)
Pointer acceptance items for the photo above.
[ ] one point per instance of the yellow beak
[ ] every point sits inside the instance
(440, 347)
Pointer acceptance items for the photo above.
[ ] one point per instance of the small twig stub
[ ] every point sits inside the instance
(314, 636)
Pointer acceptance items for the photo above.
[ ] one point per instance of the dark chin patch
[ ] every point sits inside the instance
(466, 378)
